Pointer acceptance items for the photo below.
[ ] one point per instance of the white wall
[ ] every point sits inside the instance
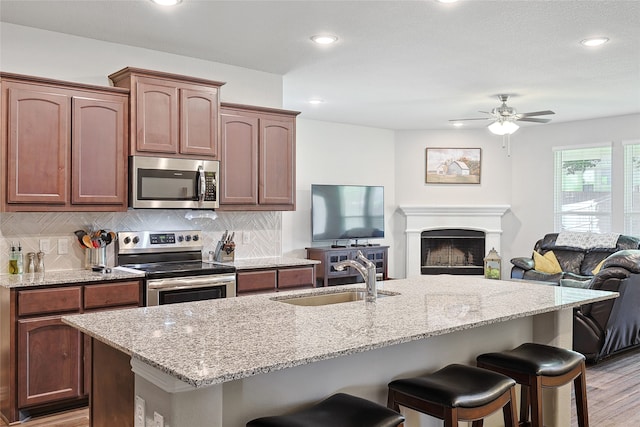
(411, 189)
(524, 181)
(532, 178)
(35, 52)
(332, 153)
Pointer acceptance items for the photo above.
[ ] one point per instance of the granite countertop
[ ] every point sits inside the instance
(209, 342)
(270, 262)
(62, 277)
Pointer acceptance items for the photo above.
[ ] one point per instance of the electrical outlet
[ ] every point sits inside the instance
(63, 246)
(158, 419)
(246, 237)
(139, 420)
(45, 245)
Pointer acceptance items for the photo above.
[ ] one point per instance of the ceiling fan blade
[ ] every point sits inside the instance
(478, 118)
(536, 113)
(531, 119)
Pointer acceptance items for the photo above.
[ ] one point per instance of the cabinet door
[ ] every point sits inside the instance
(296, 277)
(334, 257)
(49, 361)
(263, 280)
(239, 161)
(38, 145)
(276, 184)
(98, 152)
(156, 116)
(199, 122)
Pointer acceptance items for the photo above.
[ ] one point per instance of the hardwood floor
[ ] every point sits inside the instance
(76, 418)
(613, 391)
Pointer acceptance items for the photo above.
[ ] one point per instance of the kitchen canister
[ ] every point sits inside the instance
(96, 257)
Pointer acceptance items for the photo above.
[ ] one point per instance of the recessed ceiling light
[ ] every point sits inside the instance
(324, 39)
(316, 101)
(458, 124)
(167, 2)
(446, 1)
(594, 41)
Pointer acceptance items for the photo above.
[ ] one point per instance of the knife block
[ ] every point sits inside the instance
(226, 254)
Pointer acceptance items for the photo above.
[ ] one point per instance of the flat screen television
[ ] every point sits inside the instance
(346, 212)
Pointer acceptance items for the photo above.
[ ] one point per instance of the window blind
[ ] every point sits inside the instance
(632, 189)
(582, 189)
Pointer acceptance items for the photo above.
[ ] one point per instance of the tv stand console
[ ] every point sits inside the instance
(327, 275)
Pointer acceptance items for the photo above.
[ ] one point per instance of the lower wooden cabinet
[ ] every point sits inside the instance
(272, 279)
(49, 361)
(45, 365)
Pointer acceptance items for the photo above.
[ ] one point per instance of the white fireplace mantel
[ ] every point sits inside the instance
(487, 218)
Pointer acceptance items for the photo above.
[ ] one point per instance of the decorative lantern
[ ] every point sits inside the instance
(492, 265)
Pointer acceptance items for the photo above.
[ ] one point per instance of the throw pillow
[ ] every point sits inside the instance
(547, 263)
(598, 267)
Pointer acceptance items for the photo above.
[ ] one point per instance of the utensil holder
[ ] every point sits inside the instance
(96, 257)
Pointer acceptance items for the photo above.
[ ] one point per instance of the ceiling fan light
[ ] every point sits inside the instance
(167, 2)
(594, 41)
(324, 38)
(503, 127)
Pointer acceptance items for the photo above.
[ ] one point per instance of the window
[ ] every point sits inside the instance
(632, 188)
(583, 189)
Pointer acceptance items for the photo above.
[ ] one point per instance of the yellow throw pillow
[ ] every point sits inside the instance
(598, 267)
(547, 263)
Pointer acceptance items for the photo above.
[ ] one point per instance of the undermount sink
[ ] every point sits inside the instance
(331, 298)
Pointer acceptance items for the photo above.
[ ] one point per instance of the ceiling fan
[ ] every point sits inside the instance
(504, 117)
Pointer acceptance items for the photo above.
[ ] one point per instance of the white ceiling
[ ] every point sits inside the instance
(397, 64)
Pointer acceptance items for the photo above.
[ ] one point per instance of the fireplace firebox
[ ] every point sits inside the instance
(452, 251)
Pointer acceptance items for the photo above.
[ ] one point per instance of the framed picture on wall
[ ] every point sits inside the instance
(453, 166)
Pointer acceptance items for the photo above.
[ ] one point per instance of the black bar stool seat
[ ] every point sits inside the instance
(456, 393)
(535, 366)
(339, 410)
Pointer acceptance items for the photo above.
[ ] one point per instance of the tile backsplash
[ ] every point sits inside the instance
(263, 232)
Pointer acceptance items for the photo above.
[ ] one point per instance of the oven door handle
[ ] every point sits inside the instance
(190, 282)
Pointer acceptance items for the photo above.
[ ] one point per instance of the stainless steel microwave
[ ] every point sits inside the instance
(167, 183)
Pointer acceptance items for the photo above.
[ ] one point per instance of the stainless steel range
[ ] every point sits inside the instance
(172, 261)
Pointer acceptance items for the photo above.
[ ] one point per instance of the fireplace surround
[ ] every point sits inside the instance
(481, 218)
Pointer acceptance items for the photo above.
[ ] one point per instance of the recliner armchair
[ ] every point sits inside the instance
(606, 327)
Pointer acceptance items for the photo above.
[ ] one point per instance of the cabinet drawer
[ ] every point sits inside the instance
(112, 294)
(43, 301)
(257, 280)
(294, 277)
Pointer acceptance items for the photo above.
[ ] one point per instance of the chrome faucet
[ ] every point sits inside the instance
(367, 271)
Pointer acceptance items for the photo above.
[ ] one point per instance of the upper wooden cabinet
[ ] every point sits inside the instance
(257, 168)
(172, 115)
(63, 144)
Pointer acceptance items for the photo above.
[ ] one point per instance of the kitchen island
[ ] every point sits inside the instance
(223, 362)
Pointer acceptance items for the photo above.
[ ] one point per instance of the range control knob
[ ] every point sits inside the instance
(196, 237)
(187, 238)
(127, 240)
(136, 239)
(180, 238)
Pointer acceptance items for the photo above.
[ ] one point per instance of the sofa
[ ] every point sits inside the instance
(578, 261)
(602, 328)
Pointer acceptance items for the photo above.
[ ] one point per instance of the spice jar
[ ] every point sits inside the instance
(40, 263)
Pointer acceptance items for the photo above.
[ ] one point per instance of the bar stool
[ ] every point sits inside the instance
(339, 410)
(457, 393)
(535, 366)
